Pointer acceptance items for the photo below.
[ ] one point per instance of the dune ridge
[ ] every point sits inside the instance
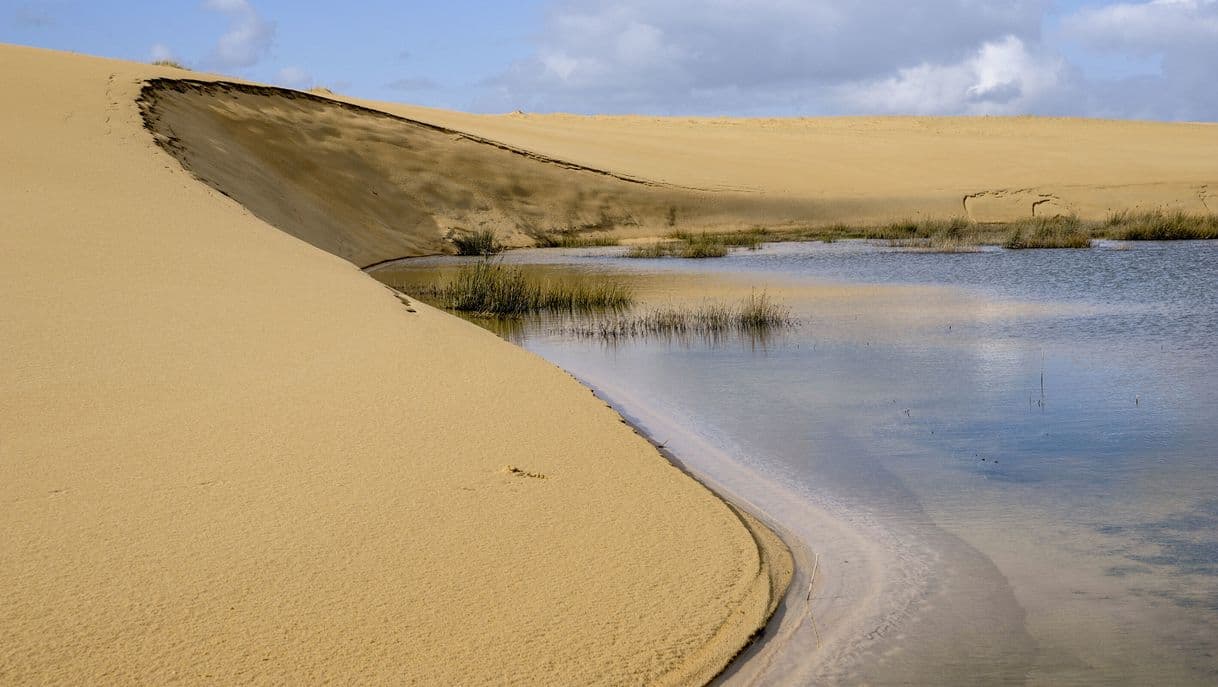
(230, 457)
(372, 182)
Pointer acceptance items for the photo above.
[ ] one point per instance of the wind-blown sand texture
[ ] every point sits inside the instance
(229, 457)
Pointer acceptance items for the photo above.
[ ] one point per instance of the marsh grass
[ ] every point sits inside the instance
(1157, 225)
(482, 242)
(574, 239)
(755, 315)
(1056, 232)
(961, 234)
(682, 245)
(751, 239)
(489, 288)
(702, 246)
(955, 235)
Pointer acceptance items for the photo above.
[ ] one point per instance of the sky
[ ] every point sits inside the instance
(1144, 59)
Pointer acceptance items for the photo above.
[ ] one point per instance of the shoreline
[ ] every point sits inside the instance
(786, 560)
(822, 606)
(237, 457)
(773, 541)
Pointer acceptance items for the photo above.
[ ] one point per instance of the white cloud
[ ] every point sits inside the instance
(1002, 77)
(732, 55)
(248, 37)
(847, 57)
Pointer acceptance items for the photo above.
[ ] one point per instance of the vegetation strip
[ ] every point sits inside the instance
(756, 314)
(490, 288)
(953, 235)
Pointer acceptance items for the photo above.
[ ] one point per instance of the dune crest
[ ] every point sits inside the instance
(373, 181)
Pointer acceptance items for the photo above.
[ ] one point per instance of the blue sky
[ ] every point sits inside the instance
(1153, 59)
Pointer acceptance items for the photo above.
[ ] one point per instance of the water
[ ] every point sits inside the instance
(1006, 459)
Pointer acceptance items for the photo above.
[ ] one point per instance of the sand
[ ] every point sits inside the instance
(372, 181)
(869, 169)
(230, 457)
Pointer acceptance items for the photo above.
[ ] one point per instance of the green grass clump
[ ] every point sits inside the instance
(758, 312)
(492, 289)
(170, 63)
(1056, 232)
(962, 234)
(702, 246)
(483, 242)
(679, 249)
(651, 250)
(1157, 225)
(751, 239)
(755, 315)
(955, 235)
(682, 245)
(573, 239)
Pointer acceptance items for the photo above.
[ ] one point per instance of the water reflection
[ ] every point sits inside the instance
(1027, 437)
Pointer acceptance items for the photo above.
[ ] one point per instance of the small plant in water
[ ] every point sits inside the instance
(1055, 232)
(686, 245)
(1157, 225)
(755, 315)
(490, 288)
(571, 238)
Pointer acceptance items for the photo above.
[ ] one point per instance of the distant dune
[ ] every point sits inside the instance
(374, 181)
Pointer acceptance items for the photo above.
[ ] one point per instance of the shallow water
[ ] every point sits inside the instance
(1026, 441)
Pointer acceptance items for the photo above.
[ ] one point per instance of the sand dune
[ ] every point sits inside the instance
(860, 169)
(229, 457)
(374, 181)
(232, 457)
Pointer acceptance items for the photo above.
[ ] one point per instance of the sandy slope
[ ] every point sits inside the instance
(228, 456)
(363, 184)
(879, 168)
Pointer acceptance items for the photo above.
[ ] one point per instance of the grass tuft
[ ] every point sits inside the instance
(682, 245)
(1056, 232)
(492, 289)
(171, 63)
(483, 242)
(755, 315)
(1157, 225)
(570, 238)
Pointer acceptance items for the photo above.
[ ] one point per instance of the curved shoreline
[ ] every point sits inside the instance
(786, 556)
(238, 458)
(787, 564)
(822, 606)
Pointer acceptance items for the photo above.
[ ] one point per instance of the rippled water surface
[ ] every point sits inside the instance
(1030, 438)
